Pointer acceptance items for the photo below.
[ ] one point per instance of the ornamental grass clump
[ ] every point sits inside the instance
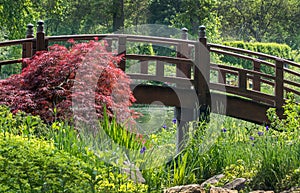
(70, 83)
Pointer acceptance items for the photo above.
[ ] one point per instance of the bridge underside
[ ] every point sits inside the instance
(235, 106)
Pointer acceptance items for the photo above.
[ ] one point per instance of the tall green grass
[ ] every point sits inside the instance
(268, 156)
(265, 155)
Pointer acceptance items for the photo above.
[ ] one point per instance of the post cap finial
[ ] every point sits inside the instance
(184, 29)
(29, 26)
(40, 22)
(202, 31)
(202, 27)
(40, 27)
(184, 33)
(29, 33)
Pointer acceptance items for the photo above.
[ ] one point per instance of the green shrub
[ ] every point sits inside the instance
(275, 49)
(291, 180)
(10, 53)
(61, 163)
(291, 122)
(34, 165)
(21, 123)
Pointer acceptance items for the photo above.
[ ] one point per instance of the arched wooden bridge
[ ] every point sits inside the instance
(196, 80)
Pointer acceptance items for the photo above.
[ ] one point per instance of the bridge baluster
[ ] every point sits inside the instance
(160, 71)
(256, 78)
(279, 87)
(29, 32)
(202, 69)
(242, 80)
(144, 67)
(202, 35)
(201, 81)
(109, 44)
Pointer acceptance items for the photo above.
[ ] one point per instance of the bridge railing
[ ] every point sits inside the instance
(182, 63)
(280, 76)
(190, 68)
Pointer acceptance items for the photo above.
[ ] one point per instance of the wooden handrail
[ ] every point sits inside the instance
(293, 91)
(15, 42)
(167, 59)
(291, 63)
(233, 49)
(242, 56)
(6, 62)
(131, 38)
(235, 69)
(292, 72)
(192, 63)
(297, 84)
(250, 94)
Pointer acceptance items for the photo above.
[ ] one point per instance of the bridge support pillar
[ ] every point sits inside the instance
(183, 117)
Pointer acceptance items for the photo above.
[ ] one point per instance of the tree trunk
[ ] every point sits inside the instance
(118, 15)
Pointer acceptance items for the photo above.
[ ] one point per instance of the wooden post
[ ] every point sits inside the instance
(279, 87)
(202, 69)
(122, 51)
(184, 33)
(202, 35)
(183, 52)
(27, 51)
(40, 36)
(256, 78)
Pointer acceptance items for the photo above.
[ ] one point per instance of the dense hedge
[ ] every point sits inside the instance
(280, 50)
(275, 49)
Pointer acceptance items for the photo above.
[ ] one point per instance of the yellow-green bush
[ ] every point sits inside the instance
(32, 161)
(275, 49)
(34, 165)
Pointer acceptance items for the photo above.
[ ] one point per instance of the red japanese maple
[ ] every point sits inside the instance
(76, 82)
